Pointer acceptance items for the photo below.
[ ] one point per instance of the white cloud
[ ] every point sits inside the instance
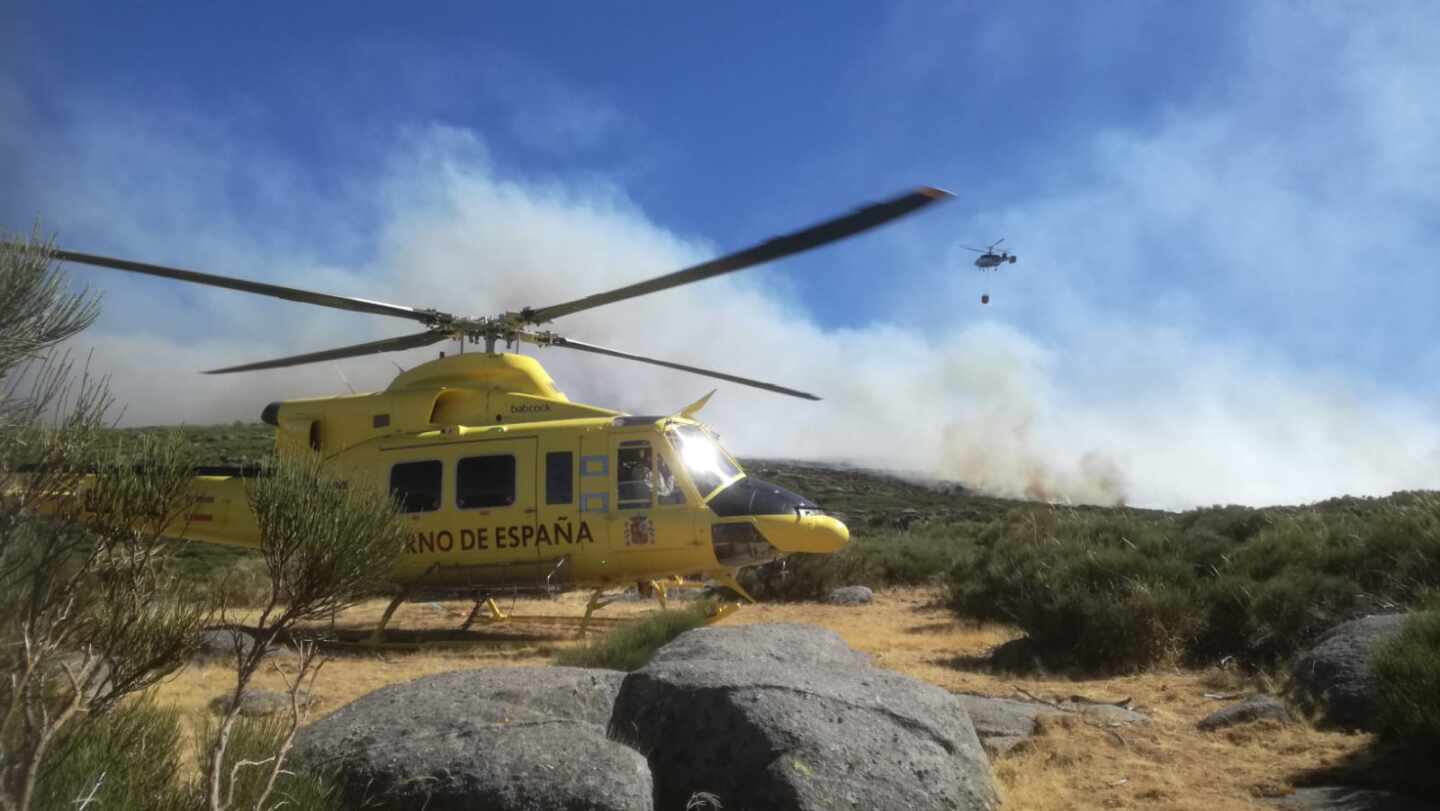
(1145, 414)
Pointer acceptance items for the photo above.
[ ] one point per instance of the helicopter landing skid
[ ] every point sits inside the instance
(492, 613)
(522, 629)
(486, 613)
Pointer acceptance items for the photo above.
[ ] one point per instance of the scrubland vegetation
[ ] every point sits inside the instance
(876, 557)
(97, 608)
(1096, 590)
(135, 758)
(1113, 590)
(1118, 591)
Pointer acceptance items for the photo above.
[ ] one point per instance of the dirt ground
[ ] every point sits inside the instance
(1071, 764)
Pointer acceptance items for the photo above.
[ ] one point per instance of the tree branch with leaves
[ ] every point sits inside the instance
(88, 613)
(328, 543)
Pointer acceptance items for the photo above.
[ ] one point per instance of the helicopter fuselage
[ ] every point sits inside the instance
(507, 484)
(992, 260)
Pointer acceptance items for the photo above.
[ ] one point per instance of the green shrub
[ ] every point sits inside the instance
(132, 753)
(1233, 524)
(1099, 591)
(1407, 703)
(243, 584)
(225, 575)
(256, 740)
(1293, 608)
(1407, 684)
(631, 645)
(1403, 549)
(135, 753)
(1224, 609)
(800, 576)
(875, 558)
(1292, 542)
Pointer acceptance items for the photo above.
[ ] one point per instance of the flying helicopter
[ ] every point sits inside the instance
(990, 260)
(509, 485)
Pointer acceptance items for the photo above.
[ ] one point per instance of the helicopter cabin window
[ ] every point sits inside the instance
(485, 481)
(645, 478)
(633, 475)
(559, 477)
(415, 486)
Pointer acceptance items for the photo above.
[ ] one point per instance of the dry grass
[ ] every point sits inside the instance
(1072, 764)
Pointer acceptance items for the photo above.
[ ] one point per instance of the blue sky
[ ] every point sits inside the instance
(1226, 216)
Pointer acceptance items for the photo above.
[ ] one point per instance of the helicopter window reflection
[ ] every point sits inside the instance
(416, 486)
(634, 478)
(667, 491)
(485, 481)
(707, 462)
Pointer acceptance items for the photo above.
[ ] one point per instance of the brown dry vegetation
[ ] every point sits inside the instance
(1073, 764)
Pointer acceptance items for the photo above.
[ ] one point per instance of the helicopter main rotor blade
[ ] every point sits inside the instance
(778, 247)
(976, 250)
(568, 343)
(358, 305)
(415, 341)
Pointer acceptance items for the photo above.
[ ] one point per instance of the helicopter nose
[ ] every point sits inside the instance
(813, 533)
(787, 521)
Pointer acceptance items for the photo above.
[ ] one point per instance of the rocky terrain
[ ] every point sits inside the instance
(1207, 739)
(1295, 733)
(756, 717)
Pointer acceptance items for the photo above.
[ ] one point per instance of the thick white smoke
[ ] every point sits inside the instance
(1192, 422)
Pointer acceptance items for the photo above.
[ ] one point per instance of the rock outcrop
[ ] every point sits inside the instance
(1254, 708)
(789, 717)
(1342, 798)
(1334, 675)
(219, 645)
(1004, 723)
(500, 738)
(258, 703)
(851, 595)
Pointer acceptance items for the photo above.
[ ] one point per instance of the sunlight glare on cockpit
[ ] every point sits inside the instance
(707, 464)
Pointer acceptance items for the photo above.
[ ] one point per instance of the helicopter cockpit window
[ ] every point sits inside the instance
(634, 478)
(485, 481)
(416, 486)
(708, 464)
(667, 491)
(645, 477)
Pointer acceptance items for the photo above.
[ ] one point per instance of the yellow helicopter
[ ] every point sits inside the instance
(508, 484)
